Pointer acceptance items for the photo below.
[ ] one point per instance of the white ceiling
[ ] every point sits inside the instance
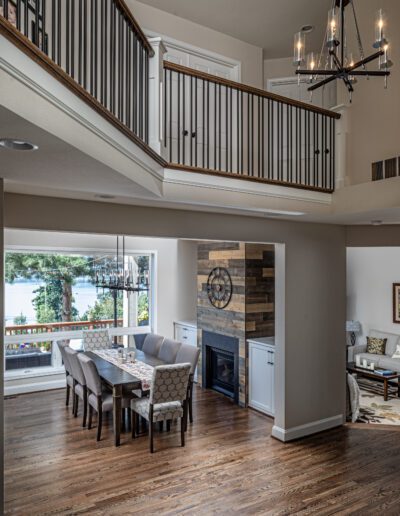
(269, 24)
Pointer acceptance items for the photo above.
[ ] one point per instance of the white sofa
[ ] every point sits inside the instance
(385, 361)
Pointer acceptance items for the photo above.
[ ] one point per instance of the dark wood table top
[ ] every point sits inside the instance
(114, 375)
(351, 366)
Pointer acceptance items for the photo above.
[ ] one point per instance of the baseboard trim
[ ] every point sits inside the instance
(10, 390)
(296, 432)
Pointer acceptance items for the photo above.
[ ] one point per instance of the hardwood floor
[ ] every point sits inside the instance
(230, 465)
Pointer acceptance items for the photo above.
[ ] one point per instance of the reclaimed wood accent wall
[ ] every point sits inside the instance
(251, 311)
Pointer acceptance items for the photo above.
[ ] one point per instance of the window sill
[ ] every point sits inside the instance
(32, 373)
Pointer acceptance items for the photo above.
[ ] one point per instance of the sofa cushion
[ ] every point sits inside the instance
(391, 343)
(376, 346)
(396, 354)
(390, 363)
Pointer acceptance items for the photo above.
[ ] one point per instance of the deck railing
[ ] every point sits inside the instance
(33, 329)
(218, 126)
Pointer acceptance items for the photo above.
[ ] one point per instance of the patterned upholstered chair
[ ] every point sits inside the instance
(167, 400)
(68, 370)
(96, 339)
(152, 344)
(168, 351)
(99, 399)
(79, 389)
(189, 354)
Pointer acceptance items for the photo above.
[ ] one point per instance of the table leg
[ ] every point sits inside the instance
(385, 389)
(117, 395)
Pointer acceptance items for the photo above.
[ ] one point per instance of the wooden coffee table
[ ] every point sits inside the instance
(367, 373)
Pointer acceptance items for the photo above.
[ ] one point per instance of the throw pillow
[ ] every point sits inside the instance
(376, 346)
(396, 354)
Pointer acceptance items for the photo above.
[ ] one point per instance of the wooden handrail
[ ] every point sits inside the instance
(135, 26)
(248, 89)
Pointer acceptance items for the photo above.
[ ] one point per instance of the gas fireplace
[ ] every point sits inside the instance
(221, 364)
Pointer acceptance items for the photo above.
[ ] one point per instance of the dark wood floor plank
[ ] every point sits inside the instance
(230, 465)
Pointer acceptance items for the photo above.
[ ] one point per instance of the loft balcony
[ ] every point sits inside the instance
(194, 132)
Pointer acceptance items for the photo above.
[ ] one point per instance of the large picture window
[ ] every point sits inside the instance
(53, 292)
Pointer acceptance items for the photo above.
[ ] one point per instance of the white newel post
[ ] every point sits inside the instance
(156, 96)
(341, 147)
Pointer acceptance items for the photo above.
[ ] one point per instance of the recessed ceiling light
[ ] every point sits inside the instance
(376, 222)
(306, 29)
(18, 145)
(104, 196)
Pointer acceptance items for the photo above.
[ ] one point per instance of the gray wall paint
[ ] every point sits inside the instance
(315, 291)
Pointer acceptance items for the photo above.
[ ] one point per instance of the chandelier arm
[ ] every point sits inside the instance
(322, 83)
(366, 60)
(375, 73)
(316, 72)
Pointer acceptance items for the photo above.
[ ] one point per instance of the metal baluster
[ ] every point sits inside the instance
(226, 128)
(121, 66)
(204, 122)
(128, 77)
(85, 38)
(59, 33)
(208, 124)
(183, 117)
(135, 79)
(37, 40)
(231, 130)
(112, 57)
(170, 116)
(191, 120)
(259, 135)
(140, 103)
(179, 117)
(262, 137)
(333, 150)
(215, 126)
(195, 121)
(80, 25)
(219, 125)
(73, 39)
(241, 134)
(147, 95)
(237, 130)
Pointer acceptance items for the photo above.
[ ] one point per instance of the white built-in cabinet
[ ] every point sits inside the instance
(262, 374)
(186, 332)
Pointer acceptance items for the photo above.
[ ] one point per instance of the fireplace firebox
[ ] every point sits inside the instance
(221, 364)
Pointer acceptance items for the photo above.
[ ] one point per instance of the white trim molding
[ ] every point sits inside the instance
(296, 432)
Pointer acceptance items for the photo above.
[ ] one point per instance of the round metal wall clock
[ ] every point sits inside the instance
(219, 287)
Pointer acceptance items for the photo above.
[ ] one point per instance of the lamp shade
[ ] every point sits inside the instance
(353, 326)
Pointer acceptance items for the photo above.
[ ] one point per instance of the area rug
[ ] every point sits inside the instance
(373, 409)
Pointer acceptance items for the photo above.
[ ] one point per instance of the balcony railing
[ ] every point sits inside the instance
(219, 126)
(210, 125)
(96, 48)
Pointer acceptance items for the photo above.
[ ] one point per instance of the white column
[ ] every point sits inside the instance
(156, 108)
(341, 136)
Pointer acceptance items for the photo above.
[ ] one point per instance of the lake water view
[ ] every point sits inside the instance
(19, 296)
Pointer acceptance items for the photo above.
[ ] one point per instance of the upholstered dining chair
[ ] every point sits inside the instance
(187, 353)
(79, 389)
(96, 339)
(99, 399)
(152, 344)
(68, 370)
(168, 351)
(167, 400)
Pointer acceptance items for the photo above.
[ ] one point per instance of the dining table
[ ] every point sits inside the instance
(120, 382)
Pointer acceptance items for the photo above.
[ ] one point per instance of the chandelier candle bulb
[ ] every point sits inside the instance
(299, 48)
(380, 29)
(331, 38)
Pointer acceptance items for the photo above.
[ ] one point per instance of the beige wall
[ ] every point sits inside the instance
(314, 358)
(374, 115)
(176, 264)
(186, 31)
(278, 68)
